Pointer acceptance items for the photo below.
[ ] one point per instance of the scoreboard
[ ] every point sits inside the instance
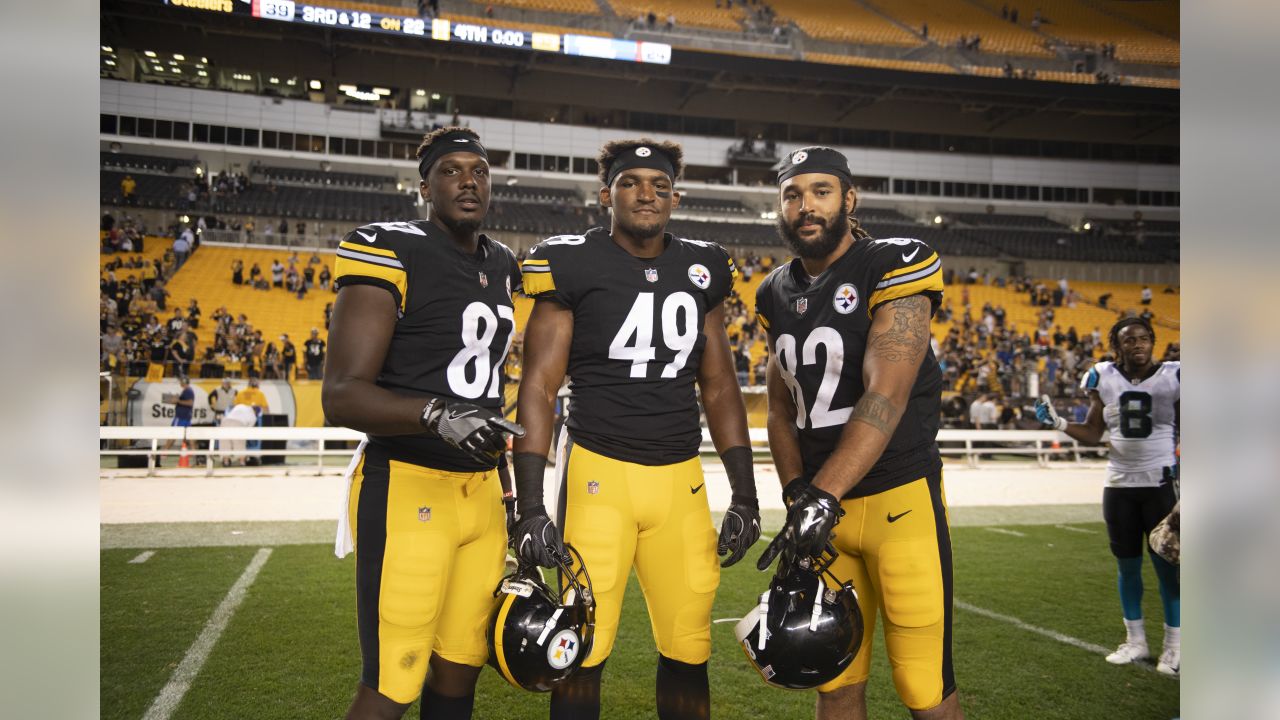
(437, 30)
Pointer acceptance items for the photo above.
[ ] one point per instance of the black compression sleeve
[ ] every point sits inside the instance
(529, 469)
(738, 466)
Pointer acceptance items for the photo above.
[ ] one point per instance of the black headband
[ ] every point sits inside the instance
(452, 142)
(815, 159)
(641, 157)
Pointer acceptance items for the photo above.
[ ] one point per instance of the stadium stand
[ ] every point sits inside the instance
(698, 13)
(1079, 23)
(147, 163)
(301, 176)
(844, 22)
(949, 19)
(884, 63)
(712, 205)
(152, 191)
(1159, 16)
(578, 7)
(1023, 222)
(534, 194)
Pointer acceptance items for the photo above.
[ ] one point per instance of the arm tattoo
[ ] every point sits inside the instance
(908, 339)
(875, 410)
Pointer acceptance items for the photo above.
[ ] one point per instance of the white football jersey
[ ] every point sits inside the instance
(1141, 421)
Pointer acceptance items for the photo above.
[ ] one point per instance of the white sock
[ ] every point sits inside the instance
(1136, 631)
(1172, 637)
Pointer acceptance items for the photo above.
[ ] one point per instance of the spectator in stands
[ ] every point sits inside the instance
(325, 277)
(308, 277)
(277, 273)
(924, 30)
(159, 295)
(237, 272)
(288, 358)
(1013, 15)
(182, 247)
(127, 188)
(271, 362)
(1103, 299)
(314, 351)
(1146, 294)
(977, 413)
(176, 325)
(328, 313)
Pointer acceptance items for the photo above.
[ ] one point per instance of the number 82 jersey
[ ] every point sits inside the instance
(819, 332)
(637, 339)
(454, 326)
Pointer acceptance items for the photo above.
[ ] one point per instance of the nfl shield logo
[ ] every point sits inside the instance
(484, 280)
(424, 514)
(593, 487)
(802, 304)
(651, 274)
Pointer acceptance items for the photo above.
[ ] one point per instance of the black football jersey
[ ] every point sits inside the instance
(819, 334)
(637, 339)
(454, 328)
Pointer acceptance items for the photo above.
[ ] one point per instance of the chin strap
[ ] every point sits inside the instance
(817, 606)
(764, 619)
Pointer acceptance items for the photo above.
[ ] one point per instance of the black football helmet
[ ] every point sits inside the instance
(538, 637)
(803, 633)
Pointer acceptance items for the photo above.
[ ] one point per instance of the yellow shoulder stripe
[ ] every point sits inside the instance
(930, 282)
(537, 283)
(912, 268)
(367, 249)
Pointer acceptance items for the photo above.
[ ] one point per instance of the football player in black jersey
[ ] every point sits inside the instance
(634, 316)
(420, 330)
(854, 398)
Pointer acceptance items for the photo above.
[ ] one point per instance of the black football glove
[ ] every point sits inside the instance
(537, 540)
(793, 490)
(808, 527)
(478, 432)
(739, 530)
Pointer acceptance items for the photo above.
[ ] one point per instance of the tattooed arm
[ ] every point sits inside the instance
(896, 345)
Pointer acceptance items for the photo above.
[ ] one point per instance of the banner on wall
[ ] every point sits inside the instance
(147, 404)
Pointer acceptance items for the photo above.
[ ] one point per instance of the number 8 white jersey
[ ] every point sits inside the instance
(1141, 417)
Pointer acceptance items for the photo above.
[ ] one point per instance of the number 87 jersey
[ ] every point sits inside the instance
(637, 338)
(819, 331)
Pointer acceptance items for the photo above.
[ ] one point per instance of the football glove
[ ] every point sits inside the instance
(793, 490)
(739, 530)
(1047, 415)
(478, 432)
(807, 529)
(537, 540)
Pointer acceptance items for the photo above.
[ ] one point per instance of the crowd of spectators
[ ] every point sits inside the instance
(132, 299)
(288, 277)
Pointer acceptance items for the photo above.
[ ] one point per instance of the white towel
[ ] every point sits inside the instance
(344, 543)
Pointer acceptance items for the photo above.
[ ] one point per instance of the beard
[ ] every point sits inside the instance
(833, 231)
(460, 227)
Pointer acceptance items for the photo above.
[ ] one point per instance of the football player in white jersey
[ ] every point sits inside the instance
(1135, 403)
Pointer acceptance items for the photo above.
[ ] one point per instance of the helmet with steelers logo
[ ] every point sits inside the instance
(538, 637)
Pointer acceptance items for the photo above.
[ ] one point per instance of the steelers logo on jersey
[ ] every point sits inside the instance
(643, 152)
(699, 275)
(798, 157)
(846, 299)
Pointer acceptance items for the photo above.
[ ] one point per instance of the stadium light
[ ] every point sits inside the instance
(111, 62)
(204, 59)
(420, 93)
(1088, 226)
(177, 70)
(107, 49)
(274, 80)
(937, 219)
(435, 96)
(381, 91)
(291, 81)
(149, 53)
(202, 73)
(315, 85)
(179, 56)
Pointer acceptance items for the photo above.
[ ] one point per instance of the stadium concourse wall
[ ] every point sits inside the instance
(192, 105)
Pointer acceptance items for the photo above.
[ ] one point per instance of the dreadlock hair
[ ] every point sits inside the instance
(1122, 323)
(854, 226)
(436, 134)
(615, 148)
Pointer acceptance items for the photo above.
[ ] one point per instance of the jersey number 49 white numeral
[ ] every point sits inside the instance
(678, 334)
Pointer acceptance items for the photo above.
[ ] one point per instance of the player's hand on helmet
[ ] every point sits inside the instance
(807, 529)
(739, 530)
(537, 540)
(1047, 415)
(480, 433)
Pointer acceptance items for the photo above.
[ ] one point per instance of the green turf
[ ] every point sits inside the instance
(291, 649)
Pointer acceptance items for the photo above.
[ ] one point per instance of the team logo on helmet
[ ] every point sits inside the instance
(798, 157)
(563, 649)
(484, 280)
(651, 274)
(802, 304)
(643, 152)
(846, 299)
(699, 275)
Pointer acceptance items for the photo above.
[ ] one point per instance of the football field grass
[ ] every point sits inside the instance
(1035, 605)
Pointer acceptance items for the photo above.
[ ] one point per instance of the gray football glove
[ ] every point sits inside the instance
(480, 433)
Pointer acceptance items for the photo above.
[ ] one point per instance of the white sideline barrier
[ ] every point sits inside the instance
(1040, 444)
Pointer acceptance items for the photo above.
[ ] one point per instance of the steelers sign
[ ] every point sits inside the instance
(846, 299)
(563, 649)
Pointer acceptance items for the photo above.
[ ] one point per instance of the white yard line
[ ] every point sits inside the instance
(171, 695)
(142, 557)
(1003, 531)
(725, 620)
(1051, 634)
(1076, 529)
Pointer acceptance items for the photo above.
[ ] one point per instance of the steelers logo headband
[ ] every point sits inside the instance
(641, 157)
(446, 144)
(815, 159)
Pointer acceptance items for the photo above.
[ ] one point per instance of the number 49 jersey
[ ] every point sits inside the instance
(819, 331)
(456, 319)
(637, 339)
(1141, 419)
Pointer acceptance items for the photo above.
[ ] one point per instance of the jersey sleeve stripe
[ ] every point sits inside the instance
(369, 249)
(372, 259)
(531, 263)
(901, 276)
(538, 281)
(355, 271)
(929, 283)
(932, 258)
(764, 321)
(535, 270)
